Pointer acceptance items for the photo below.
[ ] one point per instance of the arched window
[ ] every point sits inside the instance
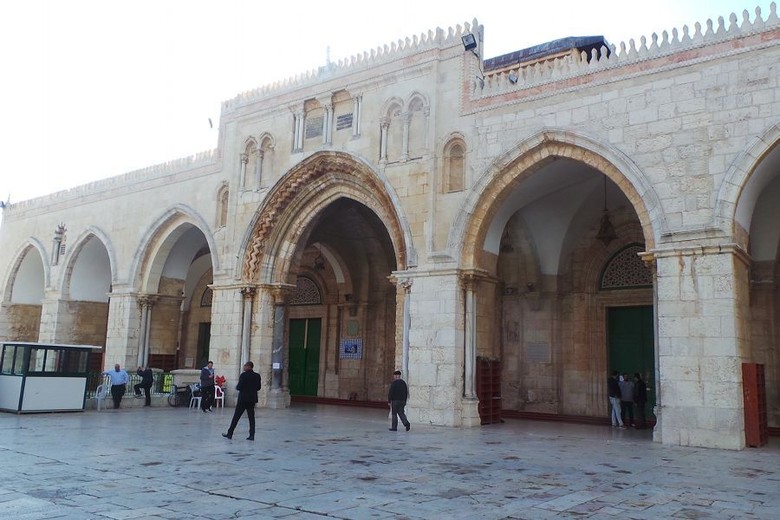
(418, 123)
(454, 166)
(392, 132)
(265, 159)
(626, 270)
(249, 164)
(306, 292)
(222, 206)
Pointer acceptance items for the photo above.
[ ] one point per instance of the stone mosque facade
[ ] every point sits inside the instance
(519, 225)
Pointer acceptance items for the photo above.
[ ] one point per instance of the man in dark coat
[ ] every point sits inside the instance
(147, 376)
(640, 399)
(207, 387)
(396, 398)
(248, 386)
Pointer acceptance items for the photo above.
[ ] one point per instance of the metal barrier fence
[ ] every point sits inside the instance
(161, 384)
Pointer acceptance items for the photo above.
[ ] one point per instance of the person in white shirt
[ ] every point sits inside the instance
(119, 380)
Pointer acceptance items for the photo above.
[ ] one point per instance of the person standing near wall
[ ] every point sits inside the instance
(613, 391)
(627, 400)
(249, 383)
(147, 377)
(207, 387)
(640, 399)
(119, 380)
(396, 398)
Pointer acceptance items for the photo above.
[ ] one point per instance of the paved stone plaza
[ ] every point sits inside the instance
(338, 462)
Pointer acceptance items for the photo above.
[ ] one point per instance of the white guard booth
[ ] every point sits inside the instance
(38, 377)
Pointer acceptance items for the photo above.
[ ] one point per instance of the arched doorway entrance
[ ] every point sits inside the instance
(557, 279)
(325, 244)
(176, 298)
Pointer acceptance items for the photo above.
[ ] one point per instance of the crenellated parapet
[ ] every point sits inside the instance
(532, 77)
(402, 48)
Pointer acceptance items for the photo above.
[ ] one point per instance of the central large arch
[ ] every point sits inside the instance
(328, 238)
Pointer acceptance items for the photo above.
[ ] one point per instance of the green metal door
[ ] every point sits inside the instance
(304, 347)
(630, 336)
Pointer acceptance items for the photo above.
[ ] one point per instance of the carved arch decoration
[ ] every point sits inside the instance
(300, 195)
(508, 172)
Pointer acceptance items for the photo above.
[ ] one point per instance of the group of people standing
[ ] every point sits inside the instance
(249, 383)
(625, 394)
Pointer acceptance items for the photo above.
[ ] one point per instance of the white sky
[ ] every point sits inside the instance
(97, 88)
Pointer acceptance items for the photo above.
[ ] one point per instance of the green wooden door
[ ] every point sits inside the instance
(630, 336)
(304, 347)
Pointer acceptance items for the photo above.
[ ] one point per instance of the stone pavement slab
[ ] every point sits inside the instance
(319, 461)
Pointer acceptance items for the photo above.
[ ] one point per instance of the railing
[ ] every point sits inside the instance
(162, 383)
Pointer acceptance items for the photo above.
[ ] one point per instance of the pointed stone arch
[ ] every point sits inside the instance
(20, 255)
(300, 196)
(509, 171)
(85, 236)
(743, 183)
(142, 271)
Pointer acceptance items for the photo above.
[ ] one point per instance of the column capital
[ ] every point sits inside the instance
(403, 282)
(146, 300)
(470, 279)
(279, 292)
(248, 291)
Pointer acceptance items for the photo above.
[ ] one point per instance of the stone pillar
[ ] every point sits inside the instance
(327, 124)
(145, 303)
(279, 395)
(298, 129)
(357, 105)
(470, 405)
(56, 322)
(436, 348)
(469, 282)
(248, 293)
(122, 332)
(702, 305)
(227, 307)
(407, 121)
(244, 161)
(403, 293)
(384, 128)
(649, 260)
(259, 167)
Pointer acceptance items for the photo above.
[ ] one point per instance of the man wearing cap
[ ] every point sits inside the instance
(248, 386)
(396, 398)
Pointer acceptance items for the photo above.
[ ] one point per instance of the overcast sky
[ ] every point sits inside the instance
(97, 88)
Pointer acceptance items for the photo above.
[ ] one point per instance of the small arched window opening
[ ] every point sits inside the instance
(222, 206)
(454, 166)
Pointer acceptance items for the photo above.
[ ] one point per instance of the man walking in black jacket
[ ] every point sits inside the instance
(396, 398)
(248, 386)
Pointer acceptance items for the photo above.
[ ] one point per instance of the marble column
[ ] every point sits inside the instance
(248, 294)
(145, 303)
(279, 395)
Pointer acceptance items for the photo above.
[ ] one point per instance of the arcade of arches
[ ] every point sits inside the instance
(617, 213)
